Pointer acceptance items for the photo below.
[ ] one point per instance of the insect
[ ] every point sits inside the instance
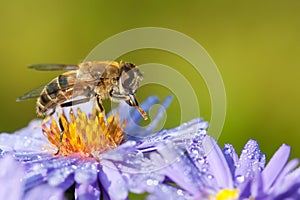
(97, 80)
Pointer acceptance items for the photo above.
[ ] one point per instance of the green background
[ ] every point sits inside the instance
(255, 45)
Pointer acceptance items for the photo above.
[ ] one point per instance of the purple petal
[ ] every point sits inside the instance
(250, 163)
(178, 168)
(192, 130)
(87, 191)
(287, 169)
(275, 166)
(257, 186)
(61, 178)
(167, 192)
(10, 179)
(86, 172)
(45, 192)
(112, 181)
(144, 181)
(58, 171)
(231, 157)
(290, 193)
(287, 183)
(217, 163)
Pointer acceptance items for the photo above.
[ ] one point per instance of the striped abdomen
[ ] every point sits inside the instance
(56, 92)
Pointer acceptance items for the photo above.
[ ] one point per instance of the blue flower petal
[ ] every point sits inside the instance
(10, 179)
(286, 171)
(45, 192)
(112, 181)
(57, 171)
(168, 192)
(86, 172)
(291, 193)
(231, 157)
(144, 181)
(251, 162)
(61, 178)
(275, 166)
(178, 167)
(87, 191)
(257, 187)
(217, 163)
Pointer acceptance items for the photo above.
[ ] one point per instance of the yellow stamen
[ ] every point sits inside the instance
(226, 194)
(85, 135)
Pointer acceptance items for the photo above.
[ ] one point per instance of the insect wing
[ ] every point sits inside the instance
(53, 67)
(32, 94)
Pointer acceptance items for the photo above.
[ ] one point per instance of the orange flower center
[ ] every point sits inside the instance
(85, 135)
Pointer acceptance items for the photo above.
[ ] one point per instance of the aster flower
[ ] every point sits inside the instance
(97, 165)
(204, 171)
(12, 187)
(179, 163)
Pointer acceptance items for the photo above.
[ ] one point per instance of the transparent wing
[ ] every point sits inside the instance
(53, 67)
(32, 94)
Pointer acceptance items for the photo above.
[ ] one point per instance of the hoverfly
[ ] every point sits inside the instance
(97, 80)
(93, 79)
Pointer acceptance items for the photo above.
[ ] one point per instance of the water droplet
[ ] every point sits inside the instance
(209, 176)
(155, 182)
(245, 150)
(240, 178)
(150, 182)
(180, 192)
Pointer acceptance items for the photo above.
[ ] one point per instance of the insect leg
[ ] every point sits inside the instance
(101, 108)
(60, 136)
(99, 103)
(133, 102)
(130, 100)
(48, 116)
(75, 102)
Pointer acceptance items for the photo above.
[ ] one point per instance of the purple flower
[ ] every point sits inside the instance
(12, 185)
(179, 163)
(107, 175)
(204, 171)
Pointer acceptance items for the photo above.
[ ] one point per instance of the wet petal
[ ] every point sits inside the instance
(257, 186)
(169, 192)
(87, 191)
(217, 163)
(178, 167)
(143, 182)
(112, 181)
(10, 179)
(56, 171)
(250, 163)
(45, 192)
(86, 172)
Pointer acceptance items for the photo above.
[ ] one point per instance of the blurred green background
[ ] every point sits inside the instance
(255, 45)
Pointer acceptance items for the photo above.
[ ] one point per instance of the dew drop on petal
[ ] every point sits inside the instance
(179, 192)
(245, 151)
(149, 182)
(209, 176)
(240, 178)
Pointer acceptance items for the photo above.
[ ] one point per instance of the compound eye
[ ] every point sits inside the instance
(129, 81)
